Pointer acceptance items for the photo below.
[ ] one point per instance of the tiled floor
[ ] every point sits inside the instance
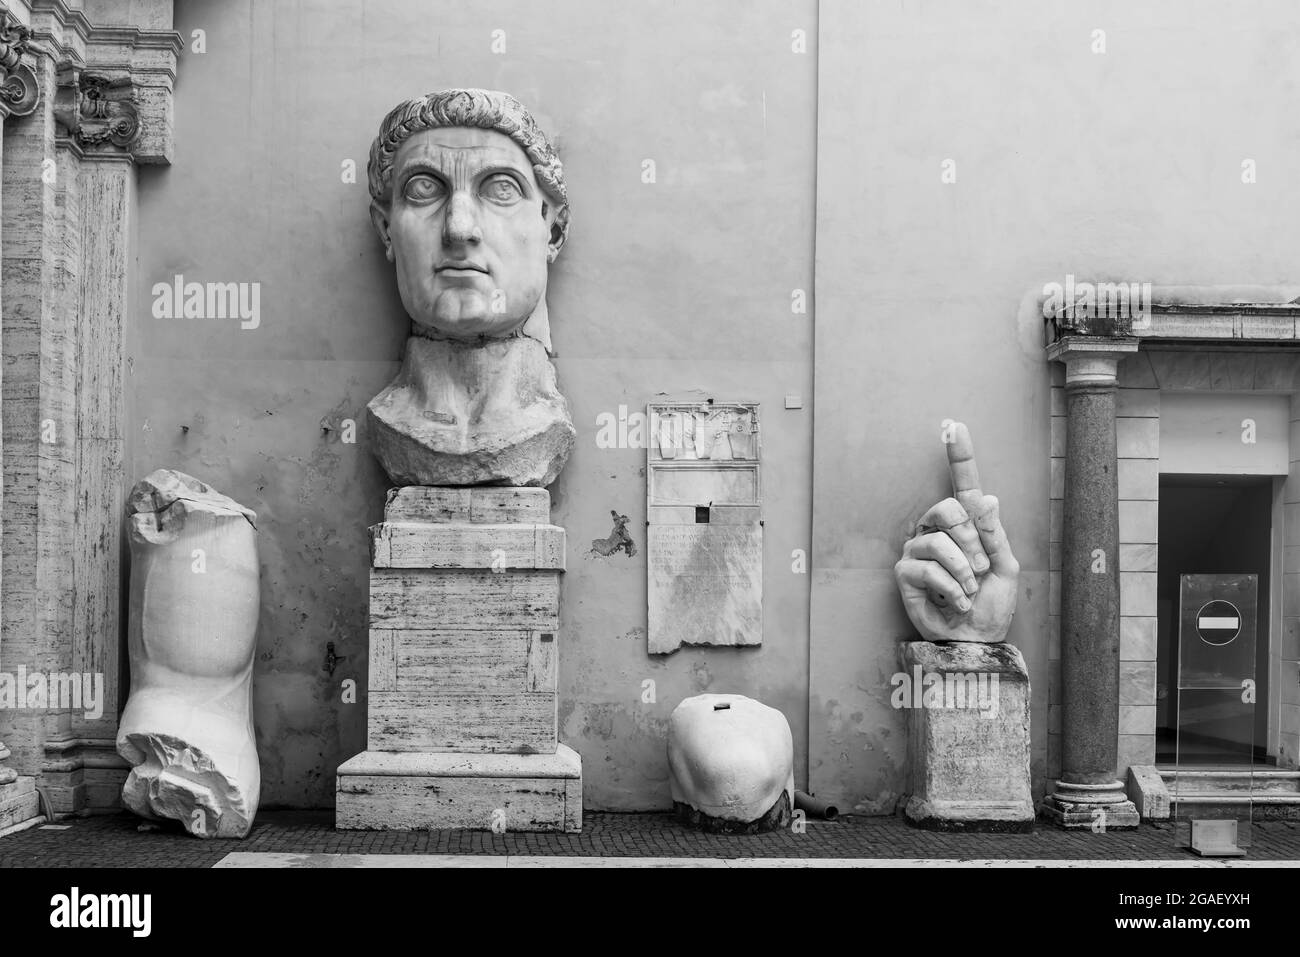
(115, 841)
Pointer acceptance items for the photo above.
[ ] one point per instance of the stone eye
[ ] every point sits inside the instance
(421, 188)
(502, 189)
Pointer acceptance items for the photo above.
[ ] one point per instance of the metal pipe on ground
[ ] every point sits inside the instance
(815, 807)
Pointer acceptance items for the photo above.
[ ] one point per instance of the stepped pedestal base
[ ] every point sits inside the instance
(402, 791)
(464, 654)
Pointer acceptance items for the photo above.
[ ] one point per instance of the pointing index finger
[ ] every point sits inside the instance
(961, 466)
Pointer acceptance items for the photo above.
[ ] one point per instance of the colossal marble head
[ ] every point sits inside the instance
(468, 197)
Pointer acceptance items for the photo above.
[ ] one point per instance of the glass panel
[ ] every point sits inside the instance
(1215, 748)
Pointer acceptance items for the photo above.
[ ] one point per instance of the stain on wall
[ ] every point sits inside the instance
(618, 540)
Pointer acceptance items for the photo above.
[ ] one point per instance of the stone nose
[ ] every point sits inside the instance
(461, 225)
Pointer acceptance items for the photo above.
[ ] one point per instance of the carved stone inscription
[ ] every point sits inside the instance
(705, 537)
(706, 585)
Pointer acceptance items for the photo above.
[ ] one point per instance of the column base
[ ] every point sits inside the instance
(413, 791)
(1092, 807)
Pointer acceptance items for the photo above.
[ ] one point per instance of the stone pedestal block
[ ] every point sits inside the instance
(1148, 792)
(407, 791)
(967, 735)
(19, 803)
(464, 628)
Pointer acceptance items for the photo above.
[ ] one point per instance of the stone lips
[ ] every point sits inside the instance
(187, 729)
(730, 758)
(513, 428)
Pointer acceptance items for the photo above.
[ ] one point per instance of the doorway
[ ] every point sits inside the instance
(1211, 525)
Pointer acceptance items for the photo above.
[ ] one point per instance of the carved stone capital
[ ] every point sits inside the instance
(99, 112)
(19, 91)
(1091, 360)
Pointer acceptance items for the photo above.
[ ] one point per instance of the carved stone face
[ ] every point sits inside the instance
(469, 230)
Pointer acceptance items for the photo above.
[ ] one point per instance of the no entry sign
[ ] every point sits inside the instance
(1218, 622)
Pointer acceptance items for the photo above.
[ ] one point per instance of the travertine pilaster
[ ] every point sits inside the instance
(19, 97)
(36, 394)
(104, 73)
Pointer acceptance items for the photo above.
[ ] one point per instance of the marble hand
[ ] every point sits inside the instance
(958, 577)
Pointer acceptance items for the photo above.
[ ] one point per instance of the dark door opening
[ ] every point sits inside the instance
(1210, 525)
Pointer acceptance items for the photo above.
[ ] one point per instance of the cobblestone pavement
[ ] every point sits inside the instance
(114, 841)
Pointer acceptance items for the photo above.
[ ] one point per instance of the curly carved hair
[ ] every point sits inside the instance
(484, 109)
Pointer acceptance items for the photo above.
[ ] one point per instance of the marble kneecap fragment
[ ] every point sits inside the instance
(730, 763)
(187, 729)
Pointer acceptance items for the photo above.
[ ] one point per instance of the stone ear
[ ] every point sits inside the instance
(555, 241)
(379, 216)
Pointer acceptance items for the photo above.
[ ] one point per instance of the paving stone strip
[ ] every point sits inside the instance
(115, 841)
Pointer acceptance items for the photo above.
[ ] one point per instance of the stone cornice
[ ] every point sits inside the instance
(60, 32)
(67, 35)
(65, 15)
(1257, 316)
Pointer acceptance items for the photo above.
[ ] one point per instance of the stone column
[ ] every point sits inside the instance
(1089, 794)
(19, 96)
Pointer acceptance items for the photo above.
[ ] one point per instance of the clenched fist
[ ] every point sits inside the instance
(957, 575)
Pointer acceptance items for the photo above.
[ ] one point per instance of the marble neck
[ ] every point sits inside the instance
(536, 326)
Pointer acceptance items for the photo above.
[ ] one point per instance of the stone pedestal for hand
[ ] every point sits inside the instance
(730, 764)
(464, 641)
(187, 729)
(967, 736)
